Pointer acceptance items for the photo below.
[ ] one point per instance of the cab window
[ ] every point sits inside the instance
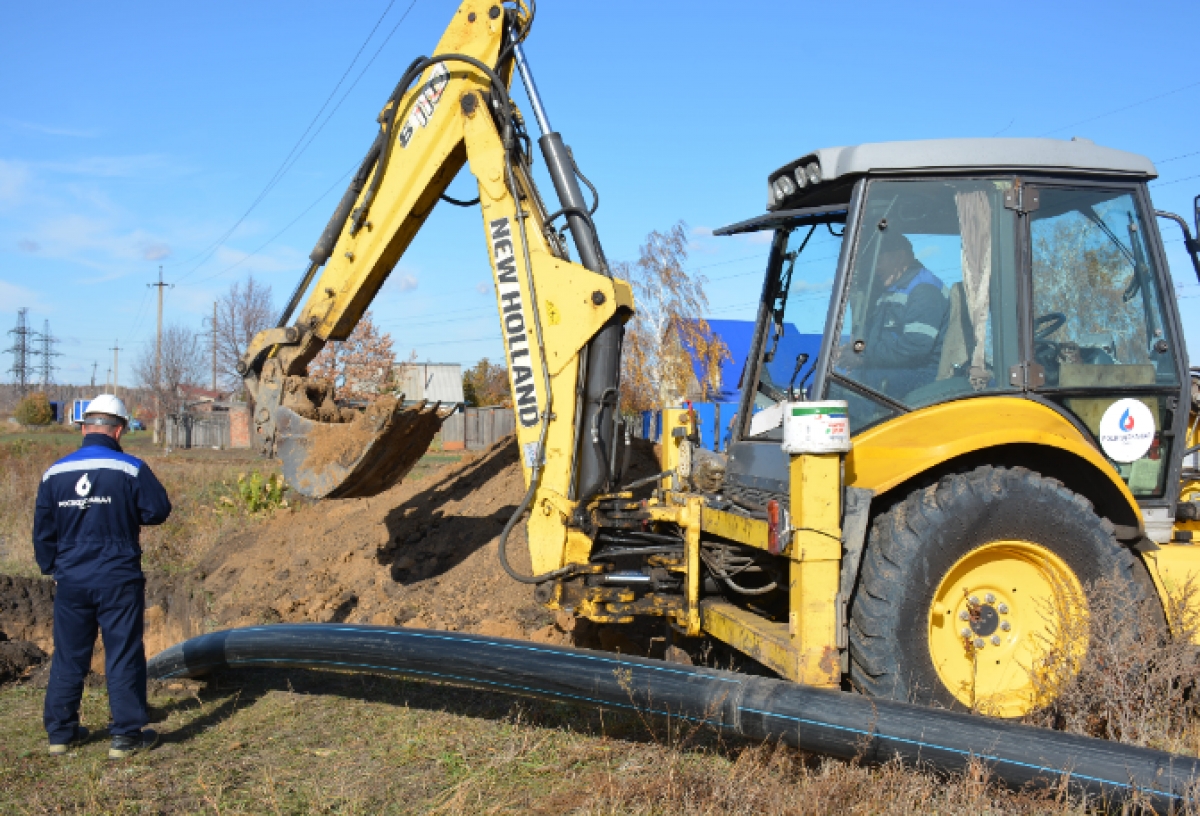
(931, 312)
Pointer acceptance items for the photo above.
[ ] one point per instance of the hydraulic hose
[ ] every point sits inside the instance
(823, 721)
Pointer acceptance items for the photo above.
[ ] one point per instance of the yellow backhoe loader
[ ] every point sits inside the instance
(1000, 415)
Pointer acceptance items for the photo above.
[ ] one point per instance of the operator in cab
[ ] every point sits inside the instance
(91, 506)
(906, 322)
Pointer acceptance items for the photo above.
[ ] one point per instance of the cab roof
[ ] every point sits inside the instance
(1074, 156)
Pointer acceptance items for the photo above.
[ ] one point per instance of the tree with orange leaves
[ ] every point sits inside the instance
(360, 367)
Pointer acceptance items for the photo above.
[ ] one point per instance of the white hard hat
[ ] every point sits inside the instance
(106, 404)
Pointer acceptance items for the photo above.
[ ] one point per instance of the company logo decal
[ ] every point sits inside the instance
(425, 103)
(83, 486)
(1126, 421)
(512, 314)
(1127, 430)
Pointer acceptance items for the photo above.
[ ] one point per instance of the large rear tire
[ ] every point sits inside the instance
(971, 583)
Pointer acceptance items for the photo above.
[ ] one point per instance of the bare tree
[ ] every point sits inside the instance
(242, 312)
(182, 364)
(668, 329)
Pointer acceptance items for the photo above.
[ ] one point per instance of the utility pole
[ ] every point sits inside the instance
(48, 354)
(21, 352)
(116, 350)
(93, 375)
(107, 379)
(214, 348)
(158, 358)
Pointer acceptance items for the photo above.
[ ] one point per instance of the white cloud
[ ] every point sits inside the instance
(405, 283)
(15, 297)
(763, 237)
(155, 251)
(50, 130)
(14, 176)
(483, 288)
(150, 164)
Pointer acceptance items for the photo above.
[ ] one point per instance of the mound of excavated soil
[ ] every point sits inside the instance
(17, 658)
(422, 554)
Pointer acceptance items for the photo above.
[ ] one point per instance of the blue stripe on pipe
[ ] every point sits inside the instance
(515, 646)
(468, 680)
(921, 744)
(685, 673)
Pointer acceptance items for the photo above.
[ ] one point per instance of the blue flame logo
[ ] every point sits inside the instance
(1126, 422)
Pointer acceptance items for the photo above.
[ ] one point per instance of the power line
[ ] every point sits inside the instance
(270, 240)
(1176, 181)
(1121, 109)
(300, 146)
(1177, 158)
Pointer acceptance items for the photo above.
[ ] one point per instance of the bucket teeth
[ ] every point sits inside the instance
(363, 457)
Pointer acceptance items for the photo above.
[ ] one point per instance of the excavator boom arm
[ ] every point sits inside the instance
(561, 321)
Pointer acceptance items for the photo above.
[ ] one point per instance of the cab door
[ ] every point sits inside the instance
(1102, 344)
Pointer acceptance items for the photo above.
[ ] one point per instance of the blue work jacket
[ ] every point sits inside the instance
(91, 505)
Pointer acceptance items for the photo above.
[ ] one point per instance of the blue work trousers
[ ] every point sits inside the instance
(119, 612)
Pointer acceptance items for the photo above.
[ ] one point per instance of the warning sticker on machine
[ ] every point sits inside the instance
(1127, 430)
(425, 103)
(512, 313)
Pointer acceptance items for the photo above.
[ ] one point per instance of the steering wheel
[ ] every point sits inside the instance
(1045, 352)
(1048, 324)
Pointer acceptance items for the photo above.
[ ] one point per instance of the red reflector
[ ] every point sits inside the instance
(774, 546)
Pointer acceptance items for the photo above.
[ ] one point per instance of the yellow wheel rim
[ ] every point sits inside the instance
(1007, 626)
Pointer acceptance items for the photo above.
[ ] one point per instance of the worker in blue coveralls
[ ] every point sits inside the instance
(91, 505)
(906, 323)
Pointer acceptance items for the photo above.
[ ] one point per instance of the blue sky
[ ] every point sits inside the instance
(138, 134)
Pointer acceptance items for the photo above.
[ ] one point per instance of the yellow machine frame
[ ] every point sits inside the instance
(550, 308)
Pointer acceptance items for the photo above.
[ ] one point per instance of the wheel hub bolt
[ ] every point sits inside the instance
(990, 598)
(974, 599)
(1005, 626)
(965, 632)
(978, 643)
(963, 615)
(995, 640)
(1003, 608)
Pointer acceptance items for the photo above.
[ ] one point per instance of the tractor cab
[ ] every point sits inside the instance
(960, 269)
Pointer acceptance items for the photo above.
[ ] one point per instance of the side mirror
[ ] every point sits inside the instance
(1189, 243)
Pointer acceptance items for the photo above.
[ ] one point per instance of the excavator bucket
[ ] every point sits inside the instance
(364, 457)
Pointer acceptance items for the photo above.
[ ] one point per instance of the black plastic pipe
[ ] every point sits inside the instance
(819, 720)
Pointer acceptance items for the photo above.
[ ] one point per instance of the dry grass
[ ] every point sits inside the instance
(195, 481)
(307, 742)
(22, 463)
(1137, 682)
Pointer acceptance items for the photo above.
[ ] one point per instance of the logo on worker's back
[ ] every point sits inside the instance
(84, 485)
(1127, 430)
(512, 312)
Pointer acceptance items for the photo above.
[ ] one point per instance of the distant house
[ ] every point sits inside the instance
(200, 399)
(430, 382)
(738, 335)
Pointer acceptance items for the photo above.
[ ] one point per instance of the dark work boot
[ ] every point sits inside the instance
(81, 735)
(123, 746)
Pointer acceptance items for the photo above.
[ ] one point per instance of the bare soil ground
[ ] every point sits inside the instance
(424, 554)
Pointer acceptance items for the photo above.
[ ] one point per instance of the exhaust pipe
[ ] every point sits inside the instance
(819, 720)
